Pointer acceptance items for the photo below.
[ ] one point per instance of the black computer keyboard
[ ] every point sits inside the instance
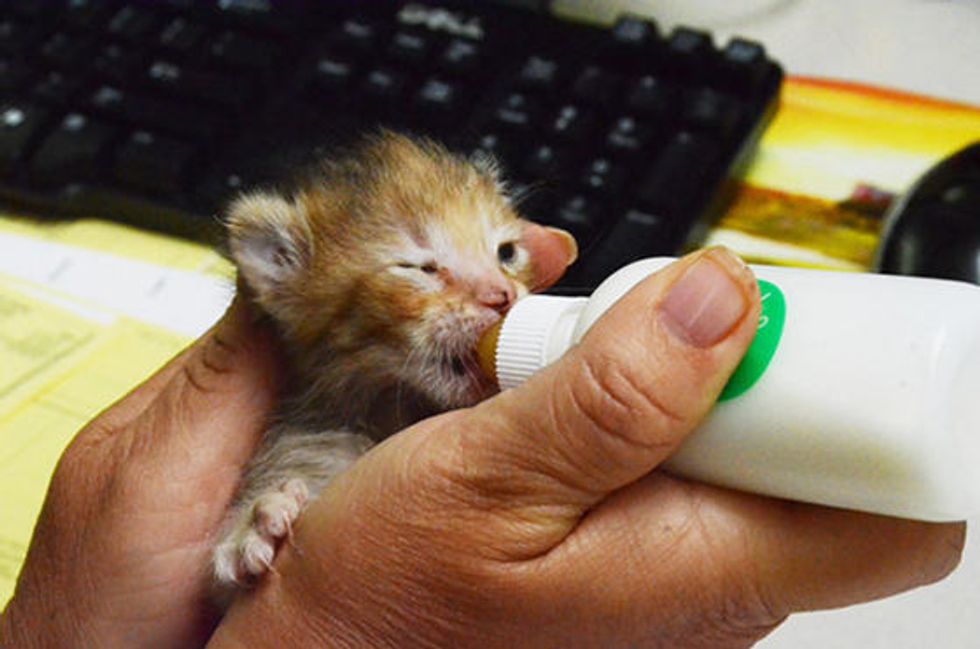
(155, 113)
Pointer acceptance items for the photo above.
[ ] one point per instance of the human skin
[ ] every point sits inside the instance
(534, 519)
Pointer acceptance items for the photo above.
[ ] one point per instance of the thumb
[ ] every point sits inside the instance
(619, 403)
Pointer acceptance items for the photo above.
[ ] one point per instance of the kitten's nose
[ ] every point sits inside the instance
(499, 294)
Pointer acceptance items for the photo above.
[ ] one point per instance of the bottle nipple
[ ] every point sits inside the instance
(486, 350)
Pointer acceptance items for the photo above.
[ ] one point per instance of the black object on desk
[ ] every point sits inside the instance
(934, 230)
(155, 113)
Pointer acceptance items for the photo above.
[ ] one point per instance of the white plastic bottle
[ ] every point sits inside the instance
(860, 391)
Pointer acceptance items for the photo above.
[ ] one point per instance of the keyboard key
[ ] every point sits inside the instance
(638, 234)
(153, 163)
(259, 15)
(240, 51)
(55, 88)
(631, 34)
(20, 124)
(690, 51)
(709, 110)
(628, 137)
(332, 74)
(72, 152)
(677, 177)
(63, 50)
(603, 176)
(581, 216)
(16, 36)
(743, 65)
(497, 146)
(133, 23)
(14, 74)
(539, 72)
(28, 9)
(650, 97)
(86, 14)
(516, 110)
(409, 47)
(383, 83)
(193, 122)
(572, 124)
(460, 57)
(544, 162)
(108, 99)
(595, 86)
(117, 63)
(181, 35)
(208, 87)
(438, 96)
(533, 201)
(355, 35)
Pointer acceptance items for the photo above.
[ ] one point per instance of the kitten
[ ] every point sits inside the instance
(380, 273)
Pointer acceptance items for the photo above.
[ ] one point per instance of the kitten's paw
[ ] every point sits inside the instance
(275, 512)
(247, 552)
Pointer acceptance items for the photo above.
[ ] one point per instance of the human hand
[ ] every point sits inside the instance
(537, 519)
(121, 552)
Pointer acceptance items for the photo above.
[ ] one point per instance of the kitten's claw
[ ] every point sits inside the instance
(276, 511)
(248, 551)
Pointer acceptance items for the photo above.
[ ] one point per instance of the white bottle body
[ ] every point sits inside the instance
(871, 400)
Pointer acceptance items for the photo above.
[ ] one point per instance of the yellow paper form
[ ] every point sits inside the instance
(83, 319)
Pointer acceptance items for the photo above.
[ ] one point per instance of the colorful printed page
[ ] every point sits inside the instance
(829, 166)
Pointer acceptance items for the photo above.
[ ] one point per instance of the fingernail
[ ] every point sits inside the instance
(703, 306)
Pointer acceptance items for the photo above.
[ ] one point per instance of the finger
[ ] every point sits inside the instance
(219, 395)
(614, 407)
(551, 251)
(815, 558)
(768, 557)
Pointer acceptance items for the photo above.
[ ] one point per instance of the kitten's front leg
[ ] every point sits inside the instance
(292, 467)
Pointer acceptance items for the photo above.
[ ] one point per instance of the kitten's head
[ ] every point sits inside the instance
(387, 265)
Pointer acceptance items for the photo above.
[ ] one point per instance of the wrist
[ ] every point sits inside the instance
(18, 630)
(31, 625)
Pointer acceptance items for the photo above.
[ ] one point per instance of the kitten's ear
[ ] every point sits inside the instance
(551, 251)
(270, 241)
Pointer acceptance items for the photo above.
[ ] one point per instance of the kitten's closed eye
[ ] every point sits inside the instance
(429, 267)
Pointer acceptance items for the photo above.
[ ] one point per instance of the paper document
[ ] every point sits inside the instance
(87, 311)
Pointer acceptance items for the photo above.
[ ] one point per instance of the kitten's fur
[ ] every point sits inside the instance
(380, 273)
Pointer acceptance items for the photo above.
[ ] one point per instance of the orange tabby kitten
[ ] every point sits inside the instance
(380, 274)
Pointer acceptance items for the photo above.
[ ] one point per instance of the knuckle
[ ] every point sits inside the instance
(743, 610)
(618, 407)
(480, 496)
(742, 621)
(212, 361)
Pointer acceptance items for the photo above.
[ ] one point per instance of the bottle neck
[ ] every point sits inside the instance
(536, 332)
